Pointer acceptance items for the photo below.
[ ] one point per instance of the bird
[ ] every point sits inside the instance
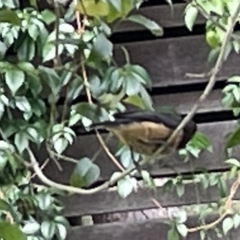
(145, 132)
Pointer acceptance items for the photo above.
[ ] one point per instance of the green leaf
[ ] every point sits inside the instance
(126, 7)
(234, 79)
(149, 24)
(49, 51)
(5, 206)
(3, 50)
(117, 4)
(198, 142)
(109, 100)
(182, 229)
(202, 234)
(9, 16)
(61, 231)
(146, 98)
(50, 76)
(125, 186)
(233, 139)
(93, 8)
(48, 16)
(143, 74)
(181, 216)
(227, 225)
(21, 141)
(91, 111)
(10, 231)
(85, 173)
(22, 104)
(4, 145)
(172, 234)
(33, 32)
(102, 47)
(191, 13)
(60, 144)
(48, 229)
(180, 188)
(44, 201)
(26, 50)
(148, 179)
(75, 87)
(31, 228)
(135, 100)
(236, 220)
(14, 79)
(3, 162)
(233, 161)
(132, 84)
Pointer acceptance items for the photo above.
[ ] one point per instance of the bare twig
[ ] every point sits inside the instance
(198, 75)
(99, 137)
(42, 167)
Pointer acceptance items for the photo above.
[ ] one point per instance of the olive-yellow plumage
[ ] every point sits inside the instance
(145, 132)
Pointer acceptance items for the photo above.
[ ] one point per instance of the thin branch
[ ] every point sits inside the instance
(53, 156)
(42, 167)
(198, 75)
(63, 157)
(57, 59)
(99, 137)
(70, 189)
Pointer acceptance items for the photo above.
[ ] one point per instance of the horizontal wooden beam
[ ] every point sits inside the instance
(168, 60)
(161, 15)
(184, 101)
(111, 202)
(152, 229)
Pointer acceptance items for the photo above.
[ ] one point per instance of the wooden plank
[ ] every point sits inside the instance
(152, 229)
(168, 60)
(161, 15)
(86, 146)
(184, 101)
(110, 202)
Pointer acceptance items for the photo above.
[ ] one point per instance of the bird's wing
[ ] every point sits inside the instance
(168, 119)
(125, 118)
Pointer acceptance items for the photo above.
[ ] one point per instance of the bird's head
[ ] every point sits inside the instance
(189, 130)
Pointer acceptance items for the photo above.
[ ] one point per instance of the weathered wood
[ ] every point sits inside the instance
(168, 60)
(161, 15)
(88, 145)
(110, 202)
(152, 229)
(183, 102)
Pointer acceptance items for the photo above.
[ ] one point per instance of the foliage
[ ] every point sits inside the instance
(56, 78)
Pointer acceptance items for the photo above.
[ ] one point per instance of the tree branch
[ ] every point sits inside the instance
(70, 189)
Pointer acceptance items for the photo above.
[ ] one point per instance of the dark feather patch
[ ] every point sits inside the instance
(168, 119)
